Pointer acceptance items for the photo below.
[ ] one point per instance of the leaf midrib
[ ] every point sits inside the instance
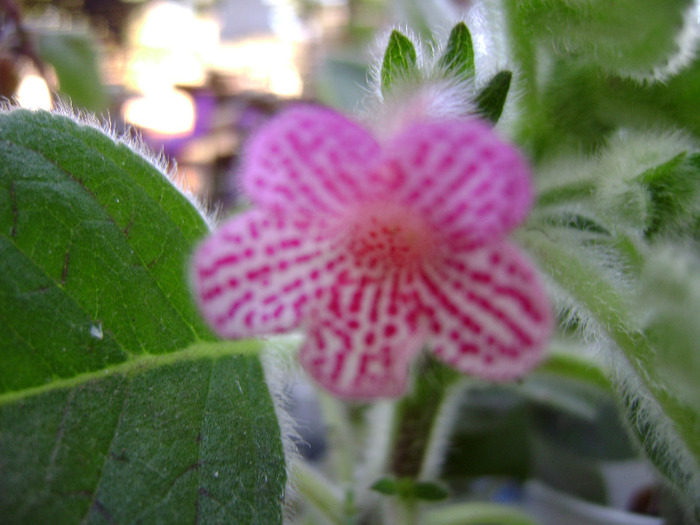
(195, 351)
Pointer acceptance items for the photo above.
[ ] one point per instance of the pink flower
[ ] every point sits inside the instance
(378, 250)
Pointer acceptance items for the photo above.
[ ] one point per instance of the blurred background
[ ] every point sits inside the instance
(196, 77)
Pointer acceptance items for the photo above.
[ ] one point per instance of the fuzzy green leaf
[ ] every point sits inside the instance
(116, 402)
(492, 98)
(662, 392)
(72, 54)
(458, 58)
(627, 36)
(673, 187)
(191, 437)
(656, 335)
(399, 60)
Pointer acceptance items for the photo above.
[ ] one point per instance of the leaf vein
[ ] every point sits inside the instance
(15, 213)
(95, 502)
(199, 445)
(59, 437)
(75, 178)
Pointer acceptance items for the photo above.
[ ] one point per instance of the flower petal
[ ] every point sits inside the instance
(363, 337)
(460, 176)
(257, 274)
(309, 160)
(489, 312)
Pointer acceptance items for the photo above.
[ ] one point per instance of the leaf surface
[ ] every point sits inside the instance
(117, 404)
(635, 37)
(73, 57)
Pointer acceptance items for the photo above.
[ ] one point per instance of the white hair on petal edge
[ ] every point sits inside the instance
(133, 141)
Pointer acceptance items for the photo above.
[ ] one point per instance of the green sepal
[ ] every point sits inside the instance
(399, 60)
(492, 98)
(458, 58)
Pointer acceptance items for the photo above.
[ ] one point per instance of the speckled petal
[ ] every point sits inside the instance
(489, 314)
(309, 160)
(363, 337)
(461, 176)
(258, 273)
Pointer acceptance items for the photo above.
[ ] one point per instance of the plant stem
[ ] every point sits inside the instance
(319, 492)
(406, 512)
(441, 430)
(416, 418)
(340, 438)
(477, 514)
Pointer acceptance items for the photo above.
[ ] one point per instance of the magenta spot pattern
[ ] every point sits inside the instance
(379, 250)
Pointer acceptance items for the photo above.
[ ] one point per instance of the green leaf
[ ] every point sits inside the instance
(187, 438)
(635, 37)
(410, 490)
(116, 403)
(399, 60)
(72, 54)
(673, 187)
(674, 100)
(648, 183)
(430, 491)
(492, 98)
(458, 58)
(386, 486)
(574, 367)
(656, 333)
(663, 394)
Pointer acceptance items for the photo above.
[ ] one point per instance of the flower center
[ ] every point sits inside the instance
(387, 236)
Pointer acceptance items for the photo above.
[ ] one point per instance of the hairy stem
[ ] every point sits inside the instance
(319, 492)
(477, 514)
